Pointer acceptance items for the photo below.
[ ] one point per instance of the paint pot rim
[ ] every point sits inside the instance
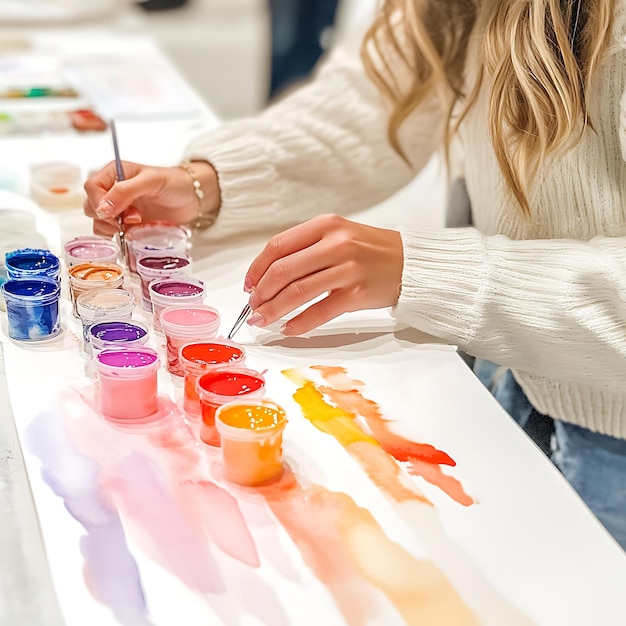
(98, 342)
(140, 370)
(179, 268)
(191, 331)
(208, 396)
(264, 431)
(114, 268)
(88, 312)
(131, 233)
(52, 292)
(52, 269)
(161, 298)
(85, 240)
(191, 366)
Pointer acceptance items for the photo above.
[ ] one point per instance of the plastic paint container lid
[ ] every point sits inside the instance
(225, 385)
(30, 262)
(197, 357)
(91, 248)
(192, 321)
(132, 363)
(99, 303)
(157, 235)
(31, 291)
(250, 420)
(117, 333)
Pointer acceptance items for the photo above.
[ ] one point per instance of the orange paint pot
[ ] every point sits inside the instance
(87, 276)
(251, 432)
(221, 387)
(199, 358)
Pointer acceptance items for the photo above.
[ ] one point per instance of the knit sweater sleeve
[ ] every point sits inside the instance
(324, 149)
(507, 300)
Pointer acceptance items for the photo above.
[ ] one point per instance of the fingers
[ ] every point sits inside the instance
(104, 229)
(287, 243)
(296, 294)
(328, 308)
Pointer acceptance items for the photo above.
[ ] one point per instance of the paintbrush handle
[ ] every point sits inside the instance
(240, 320)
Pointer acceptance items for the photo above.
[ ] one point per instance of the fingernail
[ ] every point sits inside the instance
(248, 284)
(132, 219)
(256, 319)
(104, 210)
(254, 302)
(285, 329)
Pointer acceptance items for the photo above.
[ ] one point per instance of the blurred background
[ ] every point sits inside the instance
(237, 54)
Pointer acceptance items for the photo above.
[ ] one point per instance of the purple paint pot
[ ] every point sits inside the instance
(176, 291)
(155, 239)
(127, 383)
(32, 263)
(103, 305)
(32, 308)
(91, 248)
(154, 267)
(117, 334)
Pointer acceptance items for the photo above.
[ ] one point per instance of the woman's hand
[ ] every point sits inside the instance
(148, 194)
(360, 267)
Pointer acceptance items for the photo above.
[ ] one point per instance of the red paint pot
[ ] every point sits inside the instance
(220, 387)
(202, 357)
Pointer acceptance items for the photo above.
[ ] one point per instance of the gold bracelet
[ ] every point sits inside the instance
(202, 220)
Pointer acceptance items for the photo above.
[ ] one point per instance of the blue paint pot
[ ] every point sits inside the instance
(32, 308)
(31, 263)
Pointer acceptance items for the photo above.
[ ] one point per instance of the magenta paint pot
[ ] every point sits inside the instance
(177, 291)
(154, 267)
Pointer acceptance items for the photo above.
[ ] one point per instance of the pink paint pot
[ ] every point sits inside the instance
(88, 276)
(91, 249)
(150, 268)
(200, 358)
(101, 305)
(183, 325)
(155, 239)
(174, 292)
(220, 387)
(127, 383)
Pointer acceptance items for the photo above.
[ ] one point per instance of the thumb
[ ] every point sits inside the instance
(122, 195)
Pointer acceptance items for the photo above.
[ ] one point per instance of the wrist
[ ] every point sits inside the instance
(205, 186)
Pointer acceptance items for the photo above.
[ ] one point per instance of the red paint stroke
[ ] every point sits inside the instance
(435, 476)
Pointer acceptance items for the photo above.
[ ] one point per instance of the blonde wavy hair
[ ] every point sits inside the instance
(538, 56)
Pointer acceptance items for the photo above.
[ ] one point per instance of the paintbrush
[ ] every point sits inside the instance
(240, 320)
(121, 233)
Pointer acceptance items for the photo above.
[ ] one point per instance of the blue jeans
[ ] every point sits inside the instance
(594, 464)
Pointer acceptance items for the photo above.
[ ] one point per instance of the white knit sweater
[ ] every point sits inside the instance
(546, 298)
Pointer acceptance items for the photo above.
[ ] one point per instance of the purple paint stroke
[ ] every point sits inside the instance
(162, 531)
(111, 573)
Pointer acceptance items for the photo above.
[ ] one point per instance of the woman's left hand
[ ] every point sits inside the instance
(358, 266)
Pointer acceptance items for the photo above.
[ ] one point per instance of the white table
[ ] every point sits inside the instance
(530, 537)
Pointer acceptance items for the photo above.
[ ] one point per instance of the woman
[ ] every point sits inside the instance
(532, 90)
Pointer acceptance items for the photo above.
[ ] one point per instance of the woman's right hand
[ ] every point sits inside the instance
(148, 194)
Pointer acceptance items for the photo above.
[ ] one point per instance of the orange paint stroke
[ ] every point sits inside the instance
(341, 422)
(349, 552)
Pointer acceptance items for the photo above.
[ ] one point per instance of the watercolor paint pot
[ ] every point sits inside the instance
(32, 308)
(88, 276)
(183, 325)
(117, 334)
(102, 305)
(57, 184)
(251, 433)
(31, 263)
(127, 383)
(220, 387)
(174, 292)
(91, 249)
(155, 239)
(199, 358)
(150, 268)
